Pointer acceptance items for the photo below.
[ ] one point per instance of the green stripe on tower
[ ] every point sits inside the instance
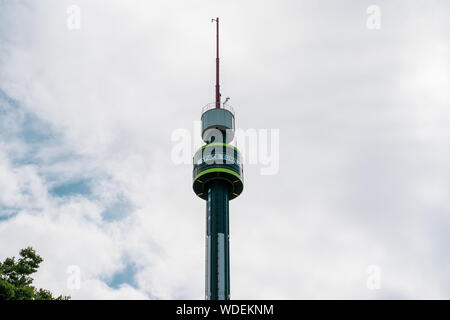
(218, 170)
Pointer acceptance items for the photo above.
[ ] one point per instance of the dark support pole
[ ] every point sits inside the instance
(217, 242)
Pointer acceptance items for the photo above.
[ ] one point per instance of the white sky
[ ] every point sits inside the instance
(86, 118)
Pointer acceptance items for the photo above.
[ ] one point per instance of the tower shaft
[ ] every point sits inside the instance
(217, 286)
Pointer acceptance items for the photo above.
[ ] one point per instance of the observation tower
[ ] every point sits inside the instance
(217, 178)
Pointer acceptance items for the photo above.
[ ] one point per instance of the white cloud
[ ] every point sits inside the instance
(363, 166)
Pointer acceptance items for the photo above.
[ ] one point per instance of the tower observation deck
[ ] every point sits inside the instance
(217, 178)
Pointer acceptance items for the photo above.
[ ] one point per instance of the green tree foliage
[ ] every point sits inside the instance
(16, 280)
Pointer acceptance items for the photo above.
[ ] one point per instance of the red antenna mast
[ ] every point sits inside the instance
(217, 65)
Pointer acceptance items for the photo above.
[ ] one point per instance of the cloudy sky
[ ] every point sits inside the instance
(359, 207)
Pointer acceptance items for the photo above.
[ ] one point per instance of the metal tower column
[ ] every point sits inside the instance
(217, 242)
